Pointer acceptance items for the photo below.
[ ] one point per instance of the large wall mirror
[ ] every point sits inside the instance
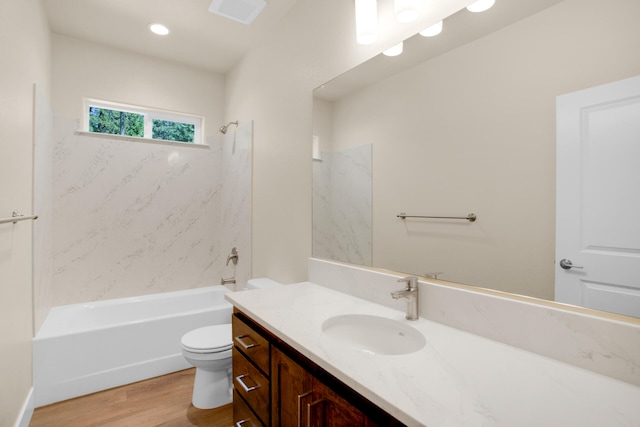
(464, 122)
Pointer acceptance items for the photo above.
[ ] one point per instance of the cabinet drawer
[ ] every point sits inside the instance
(251, 343)
(249, 382)
(242, 415)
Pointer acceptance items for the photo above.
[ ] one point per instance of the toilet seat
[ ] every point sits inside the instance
(209, 339)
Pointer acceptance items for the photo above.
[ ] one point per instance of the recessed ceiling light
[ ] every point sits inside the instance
(159, 29)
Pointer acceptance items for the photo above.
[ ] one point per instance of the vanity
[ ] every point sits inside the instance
(307, 376)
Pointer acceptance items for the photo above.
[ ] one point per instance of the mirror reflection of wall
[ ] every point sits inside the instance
(473, 130)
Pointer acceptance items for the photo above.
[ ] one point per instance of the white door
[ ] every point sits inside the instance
(598, 198)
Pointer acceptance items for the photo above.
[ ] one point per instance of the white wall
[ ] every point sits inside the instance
(85, 69)
(474, 131)
(273, 85)
(26, 60)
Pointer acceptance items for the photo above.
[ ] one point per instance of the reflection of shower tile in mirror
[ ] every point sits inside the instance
(342, 205)
(322, 207)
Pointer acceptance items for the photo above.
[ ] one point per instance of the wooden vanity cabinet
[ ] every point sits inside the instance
(301, 394)
(299, 399)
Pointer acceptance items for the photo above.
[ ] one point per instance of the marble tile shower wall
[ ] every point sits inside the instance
(342, 217)
(133, 218)
(236, 196)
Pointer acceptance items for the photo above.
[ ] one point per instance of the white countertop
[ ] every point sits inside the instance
(457, 379)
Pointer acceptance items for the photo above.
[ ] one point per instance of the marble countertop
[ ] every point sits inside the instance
(456, 379)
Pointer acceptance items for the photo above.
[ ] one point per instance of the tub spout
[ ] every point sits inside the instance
(229, 281)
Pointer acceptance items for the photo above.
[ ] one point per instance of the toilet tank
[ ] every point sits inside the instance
(261, 283)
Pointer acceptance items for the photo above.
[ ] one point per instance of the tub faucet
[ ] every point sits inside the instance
(410, 292)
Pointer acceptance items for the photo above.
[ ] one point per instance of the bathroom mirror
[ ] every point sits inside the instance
(463, 123)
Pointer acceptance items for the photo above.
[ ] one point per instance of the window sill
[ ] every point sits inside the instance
(139, 139)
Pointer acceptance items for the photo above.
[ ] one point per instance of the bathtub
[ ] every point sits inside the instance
(84, 348)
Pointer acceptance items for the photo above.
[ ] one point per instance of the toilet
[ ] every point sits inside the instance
(209, 350)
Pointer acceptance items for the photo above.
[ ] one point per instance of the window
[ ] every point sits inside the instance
(103, 120)
(132, 121)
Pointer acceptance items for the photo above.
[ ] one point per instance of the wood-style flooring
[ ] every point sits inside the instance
(163, 401)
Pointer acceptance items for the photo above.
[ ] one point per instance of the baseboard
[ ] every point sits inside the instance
(26, 412)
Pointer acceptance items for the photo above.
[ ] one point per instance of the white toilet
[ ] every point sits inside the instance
(209, 350)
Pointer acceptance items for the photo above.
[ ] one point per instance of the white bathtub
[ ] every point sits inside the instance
(84, 348)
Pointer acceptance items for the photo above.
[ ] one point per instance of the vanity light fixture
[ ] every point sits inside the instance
(433, 30)
(394, 51)
(481, 5)
(406, 10)
(158, 29)
(366, 21)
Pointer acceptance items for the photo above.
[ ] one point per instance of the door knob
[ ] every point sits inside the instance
(567, 264)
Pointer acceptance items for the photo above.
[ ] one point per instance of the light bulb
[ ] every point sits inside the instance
(159, 29)
(394, 51)
(366, 21)
(433, 30)
(481, 5)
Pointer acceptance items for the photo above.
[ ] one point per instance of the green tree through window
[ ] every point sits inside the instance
(102, 120)
(173, 131)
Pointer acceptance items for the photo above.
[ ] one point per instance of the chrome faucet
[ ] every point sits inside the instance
(410, 292)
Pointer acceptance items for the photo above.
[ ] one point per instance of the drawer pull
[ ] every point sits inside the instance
(240, 379)
(241, 423)
(300, 397)
(310, 410)
(246, 346)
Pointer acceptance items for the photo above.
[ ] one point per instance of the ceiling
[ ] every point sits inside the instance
(198, 38)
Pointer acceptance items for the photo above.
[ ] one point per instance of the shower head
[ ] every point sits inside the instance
(224, 128)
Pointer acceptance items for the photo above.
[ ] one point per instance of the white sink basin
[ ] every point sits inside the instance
(374, 334)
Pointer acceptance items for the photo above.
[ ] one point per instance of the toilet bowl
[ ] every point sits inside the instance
(209, 350)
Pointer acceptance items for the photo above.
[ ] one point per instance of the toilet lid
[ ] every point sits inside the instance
(210, 339)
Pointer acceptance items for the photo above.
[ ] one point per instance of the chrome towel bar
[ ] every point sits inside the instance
(17, 217)
(471, 217)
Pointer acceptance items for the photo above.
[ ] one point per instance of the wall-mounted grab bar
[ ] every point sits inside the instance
(17, 217)
(471, 217)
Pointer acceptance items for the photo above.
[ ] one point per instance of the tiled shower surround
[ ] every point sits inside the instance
(342, 218)
(135, 217)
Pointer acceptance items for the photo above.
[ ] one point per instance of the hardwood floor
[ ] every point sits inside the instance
(163, 401)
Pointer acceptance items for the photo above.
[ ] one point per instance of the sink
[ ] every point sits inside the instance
(374, 334)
